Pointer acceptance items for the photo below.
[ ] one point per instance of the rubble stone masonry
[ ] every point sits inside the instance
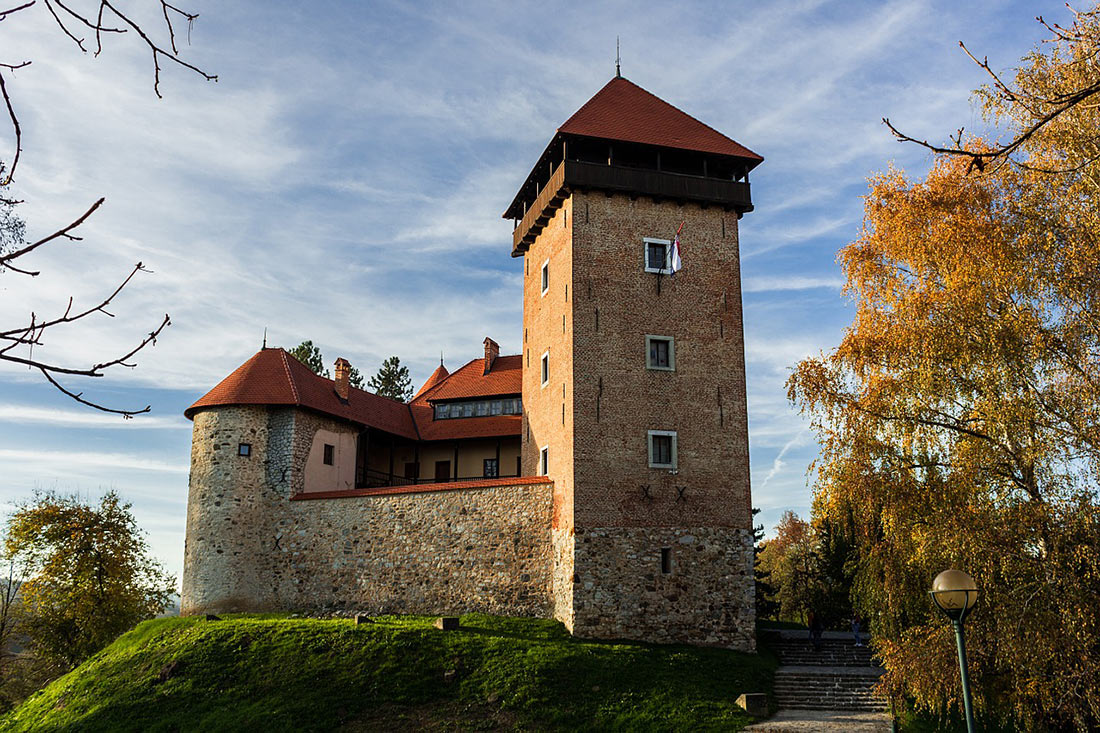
(256, 542)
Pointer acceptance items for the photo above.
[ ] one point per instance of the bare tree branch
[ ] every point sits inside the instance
(1054, 105)
(15, 127)
(6, 259)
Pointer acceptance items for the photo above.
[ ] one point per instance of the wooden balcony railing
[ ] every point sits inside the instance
(620, 179)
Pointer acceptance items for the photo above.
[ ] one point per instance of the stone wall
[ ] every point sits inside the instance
(621, 591)
(255, 542)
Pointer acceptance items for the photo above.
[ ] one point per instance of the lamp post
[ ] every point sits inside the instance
(955, 593)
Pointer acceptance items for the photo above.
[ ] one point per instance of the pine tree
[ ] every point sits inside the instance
(766, 605)
(392, 381)
(310, 355)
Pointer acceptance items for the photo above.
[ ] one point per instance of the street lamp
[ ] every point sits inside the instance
(955, 593)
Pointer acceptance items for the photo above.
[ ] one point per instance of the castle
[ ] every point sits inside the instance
(601, 476)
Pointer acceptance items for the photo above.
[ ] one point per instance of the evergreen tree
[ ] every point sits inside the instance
(310, 355)
(766, 605)
(392, 381)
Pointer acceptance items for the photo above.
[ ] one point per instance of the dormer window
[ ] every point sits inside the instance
(657, 255)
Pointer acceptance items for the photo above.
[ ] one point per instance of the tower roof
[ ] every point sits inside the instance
(274, 377)
(437, 376)
(622, 110)
(627, 140)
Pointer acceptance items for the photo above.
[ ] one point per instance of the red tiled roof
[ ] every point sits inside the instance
(274, 377)
(438, 376)
(622, 110)
(505, 378)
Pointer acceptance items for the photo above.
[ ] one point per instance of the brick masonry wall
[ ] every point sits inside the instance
(703, 400)
(612, 513)
(250, 548)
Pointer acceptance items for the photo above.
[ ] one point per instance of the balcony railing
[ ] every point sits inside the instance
(378, 479)
(621, 179)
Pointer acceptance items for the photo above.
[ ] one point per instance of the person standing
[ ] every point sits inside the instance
(855, 629)
(815, 631)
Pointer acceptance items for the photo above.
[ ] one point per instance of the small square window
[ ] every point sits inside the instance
(662, 449)
(660, 353)
(657, 255)
(492, 468)
(544, 461)
(330, 452)
(545, 368)
(545, 276)
(244, 449)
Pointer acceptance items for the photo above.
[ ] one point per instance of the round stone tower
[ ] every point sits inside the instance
(228, 528)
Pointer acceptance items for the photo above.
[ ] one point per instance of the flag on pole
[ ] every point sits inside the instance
(675, 263)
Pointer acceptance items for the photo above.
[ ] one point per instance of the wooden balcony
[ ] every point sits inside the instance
(660, 185)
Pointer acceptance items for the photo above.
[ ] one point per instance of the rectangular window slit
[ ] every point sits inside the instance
(666, 560)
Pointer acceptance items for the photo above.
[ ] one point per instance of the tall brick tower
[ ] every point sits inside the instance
(634, 377)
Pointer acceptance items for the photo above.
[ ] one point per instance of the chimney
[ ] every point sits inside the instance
(343, 373)
(492, 351)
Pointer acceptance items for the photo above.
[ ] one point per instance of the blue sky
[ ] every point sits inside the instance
(343, 181)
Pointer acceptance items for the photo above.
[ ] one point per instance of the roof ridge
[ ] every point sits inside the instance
(412, 419)
(290, 377)
(673, 106)
(666, 104)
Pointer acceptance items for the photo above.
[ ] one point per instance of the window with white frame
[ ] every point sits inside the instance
(660, 353)
(544, 460)
(662, 449)
(545, 276)
(545, 368)
(657, 255)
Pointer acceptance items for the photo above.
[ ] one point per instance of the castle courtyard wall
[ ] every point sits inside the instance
(257, 542)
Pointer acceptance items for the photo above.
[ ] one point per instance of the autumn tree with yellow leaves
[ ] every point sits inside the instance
(959, 417)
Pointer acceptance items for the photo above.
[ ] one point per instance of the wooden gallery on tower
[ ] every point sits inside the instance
(600, 476)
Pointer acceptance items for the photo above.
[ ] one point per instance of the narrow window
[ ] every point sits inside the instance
(545, 276)
(662, 449)
(544, 460)
(656, 255)
(545, 368)
(492, 468)
(666, 560)
(660, 353)
(330, 451)
(519, 465)
(244, 449)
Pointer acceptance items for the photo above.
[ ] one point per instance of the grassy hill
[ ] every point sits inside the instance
(268, 673)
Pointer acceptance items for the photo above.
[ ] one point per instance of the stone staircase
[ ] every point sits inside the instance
(838, 676)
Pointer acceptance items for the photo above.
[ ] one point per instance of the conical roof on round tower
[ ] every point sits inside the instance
(436, 377)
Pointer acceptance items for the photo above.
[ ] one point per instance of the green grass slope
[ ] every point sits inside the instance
(266, 673)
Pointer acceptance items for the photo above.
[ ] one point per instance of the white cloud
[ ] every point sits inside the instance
(74, 461)
(83, 418)
(761, 284)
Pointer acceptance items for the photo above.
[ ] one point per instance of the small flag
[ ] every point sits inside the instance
(675, 263)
